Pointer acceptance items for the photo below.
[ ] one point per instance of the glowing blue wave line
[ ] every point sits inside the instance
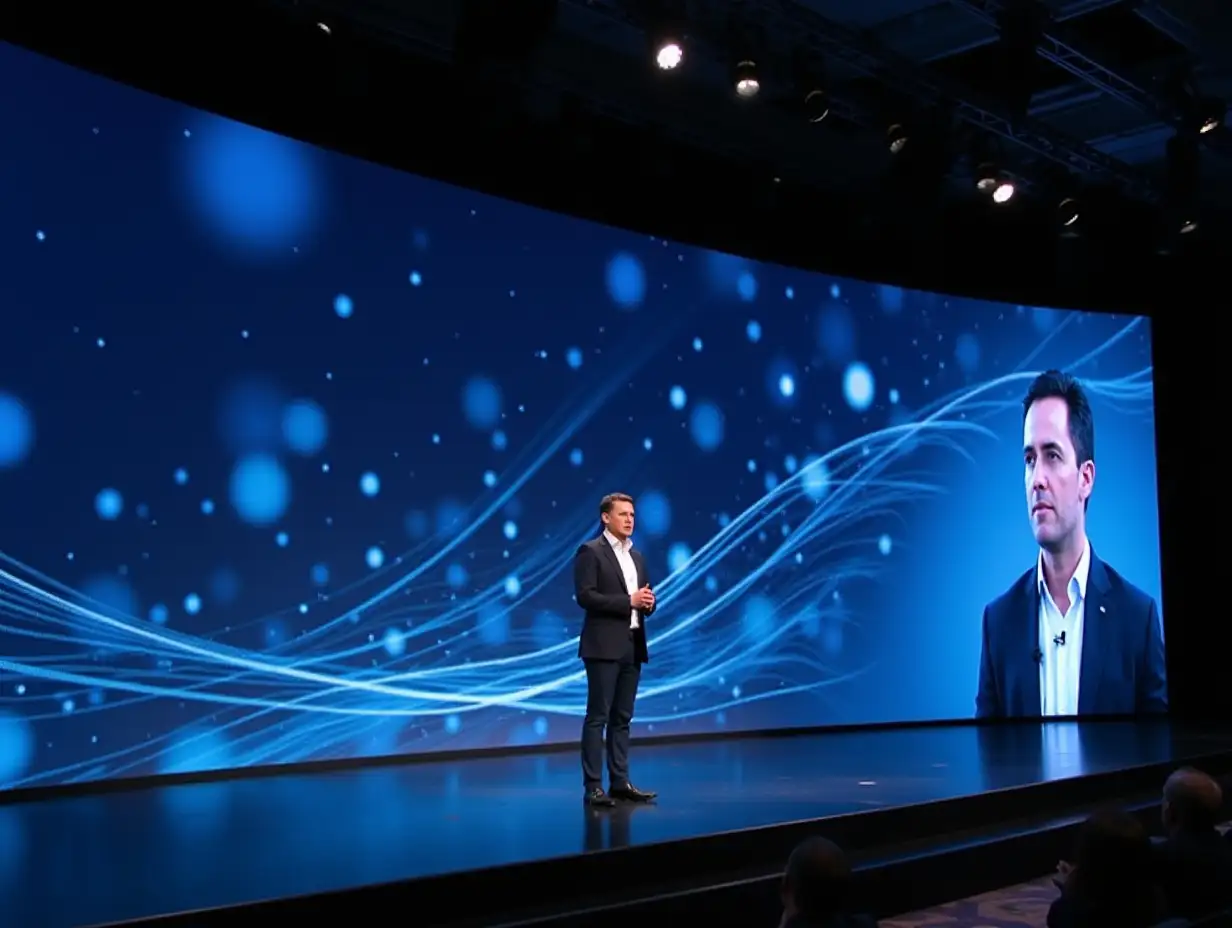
(468, 687)
(529, 691)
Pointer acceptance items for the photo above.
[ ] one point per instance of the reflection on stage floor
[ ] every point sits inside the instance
(91, 859)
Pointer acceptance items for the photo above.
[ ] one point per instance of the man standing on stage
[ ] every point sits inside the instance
(611, 585)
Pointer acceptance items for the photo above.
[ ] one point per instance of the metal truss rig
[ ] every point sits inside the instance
(1088, 70)
(836, 41)
(394, 24)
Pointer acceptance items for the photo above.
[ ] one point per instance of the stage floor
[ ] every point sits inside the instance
(87, 860)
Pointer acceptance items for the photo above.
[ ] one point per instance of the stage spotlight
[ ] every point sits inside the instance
(668, 54)
(1208, 114)
(1003, 192)
(897, 138)
(990, 181)
(1187, 226)
(748, 85)
(816, 105)
(1068, 212)
(987, 177)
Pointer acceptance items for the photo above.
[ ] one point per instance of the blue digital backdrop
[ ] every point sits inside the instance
(295, 452)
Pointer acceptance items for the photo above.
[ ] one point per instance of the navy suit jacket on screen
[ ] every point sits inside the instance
(1122, 670)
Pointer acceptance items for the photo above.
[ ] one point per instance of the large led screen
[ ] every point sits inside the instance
(296, 451)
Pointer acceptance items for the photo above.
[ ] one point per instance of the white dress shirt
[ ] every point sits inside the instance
(1061, 668)
(627, 567)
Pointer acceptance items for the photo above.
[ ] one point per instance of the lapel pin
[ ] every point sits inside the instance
(1102, 609)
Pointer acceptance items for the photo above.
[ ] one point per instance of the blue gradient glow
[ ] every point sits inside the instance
(402, 473)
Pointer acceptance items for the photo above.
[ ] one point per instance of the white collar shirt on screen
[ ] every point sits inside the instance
(1061, 669)
(627, 567)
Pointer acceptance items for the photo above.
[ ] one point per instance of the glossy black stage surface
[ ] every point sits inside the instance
(115, 856)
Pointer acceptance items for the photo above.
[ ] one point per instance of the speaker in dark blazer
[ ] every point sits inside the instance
(611, 584)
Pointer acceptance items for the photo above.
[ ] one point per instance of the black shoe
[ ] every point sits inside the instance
(596, 797)
(631, 793)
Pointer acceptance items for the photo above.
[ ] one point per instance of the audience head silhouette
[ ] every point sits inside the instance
(1113, 881)
(817, 884)
(1192, 802)
(1113, 852)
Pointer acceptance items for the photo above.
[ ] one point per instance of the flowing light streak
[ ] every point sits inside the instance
(299, 701)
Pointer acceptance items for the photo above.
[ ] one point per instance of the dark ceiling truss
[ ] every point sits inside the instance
(839, 42)
(833, 41)
(629, 93)
(562, 67)
(1087, 69)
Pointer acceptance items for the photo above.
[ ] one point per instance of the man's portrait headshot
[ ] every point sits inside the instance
(1070, 636)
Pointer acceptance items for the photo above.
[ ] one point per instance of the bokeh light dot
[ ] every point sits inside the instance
(108, 504)
(304, 427)
(260, 489)
(16, 431)
(653, 513)
(707, 426)
(858, 386)
(482, 403)
(626, 280)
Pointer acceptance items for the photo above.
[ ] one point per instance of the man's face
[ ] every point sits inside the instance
(619, 521)
(1057, 483)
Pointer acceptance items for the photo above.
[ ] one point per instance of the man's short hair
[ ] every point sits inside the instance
(1062, 386)
(1194, 798)
(606, 504)
(818, 879)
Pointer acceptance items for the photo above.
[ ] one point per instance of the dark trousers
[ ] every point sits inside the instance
(611, 688)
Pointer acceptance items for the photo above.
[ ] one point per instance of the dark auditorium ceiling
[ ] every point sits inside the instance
(559, 102)
(1109, 83)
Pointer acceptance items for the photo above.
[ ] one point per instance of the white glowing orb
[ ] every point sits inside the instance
(669, 56)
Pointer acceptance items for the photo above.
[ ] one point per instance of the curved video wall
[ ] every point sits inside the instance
(295, 453)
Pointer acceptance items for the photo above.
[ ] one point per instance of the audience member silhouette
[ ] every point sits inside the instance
(1111, 883)
(1192, 860)
(1119, 878)
(817, 888)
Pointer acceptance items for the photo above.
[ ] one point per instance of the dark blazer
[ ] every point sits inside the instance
(599, 588)
(1194, 870)
(1122, 669)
